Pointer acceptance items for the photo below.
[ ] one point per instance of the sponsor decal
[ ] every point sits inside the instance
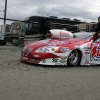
(55, 60)
(44, 61)
(87, 57)
(58, 63)
(95, 52)
(53, 42)
(87, 52)
(64, 34)
(36, 56)
(63, 59)
(49, 43)
(96, 59)
(61, 63)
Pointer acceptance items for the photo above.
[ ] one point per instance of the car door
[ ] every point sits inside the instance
(95, 52)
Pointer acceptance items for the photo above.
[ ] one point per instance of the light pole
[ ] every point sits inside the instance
(5, 15)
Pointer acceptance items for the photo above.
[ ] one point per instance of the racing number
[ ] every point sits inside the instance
(55, 60)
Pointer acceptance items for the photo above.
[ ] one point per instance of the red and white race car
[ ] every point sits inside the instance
(64, 48)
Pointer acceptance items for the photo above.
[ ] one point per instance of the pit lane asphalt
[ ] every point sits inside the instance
(23, 81)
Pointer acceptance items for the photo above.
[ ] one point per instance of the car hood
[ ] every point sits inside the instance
(58, 42)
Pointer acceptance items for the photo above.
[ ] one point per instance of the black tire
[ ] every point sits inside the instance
(4, 43)
(74, 58)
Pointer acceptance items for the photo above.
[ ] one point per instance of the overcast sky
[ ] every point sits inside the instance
(84, 10)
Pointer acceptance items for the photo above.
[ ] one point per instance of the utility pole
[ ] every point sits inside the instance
(5, 15)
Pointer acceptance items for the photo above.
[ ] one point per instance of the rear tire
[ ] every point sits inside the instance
(74, 58)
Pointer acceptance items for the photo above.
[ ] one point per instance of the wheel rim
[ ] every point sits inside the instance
(73, 57)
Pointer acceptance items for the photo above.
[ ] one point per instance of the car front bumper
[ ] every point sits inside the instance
(45, 59)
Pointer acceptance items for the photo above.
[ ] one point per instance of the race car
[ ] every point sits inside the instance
(63, 48)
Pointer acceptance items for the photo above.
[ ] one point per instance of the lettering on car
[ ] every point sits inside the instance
(95, 52)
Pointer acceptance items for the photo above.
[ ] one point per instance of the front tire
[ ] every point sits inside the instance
(4, 42)
(74, 58)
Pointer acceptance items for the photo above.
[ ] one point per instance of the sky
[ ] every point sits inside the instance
(84, 10)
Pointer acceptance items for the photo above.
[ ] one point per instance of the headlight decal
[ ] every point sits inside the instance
(48, 49)
(53, 49)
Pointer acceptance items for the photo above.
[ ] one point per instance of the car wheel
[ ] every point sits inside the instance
(74, 58)
(4, 43)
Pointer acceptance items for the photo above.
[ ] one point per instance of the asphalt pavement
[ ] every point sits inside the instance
(24, 81)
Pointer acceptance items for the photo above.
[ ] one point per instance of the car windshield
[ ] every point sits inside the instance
(24, 27)
(84, 35)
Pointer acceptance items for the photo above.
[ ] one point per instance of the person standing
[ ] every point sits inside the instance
(97, 31)
(98, 25)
